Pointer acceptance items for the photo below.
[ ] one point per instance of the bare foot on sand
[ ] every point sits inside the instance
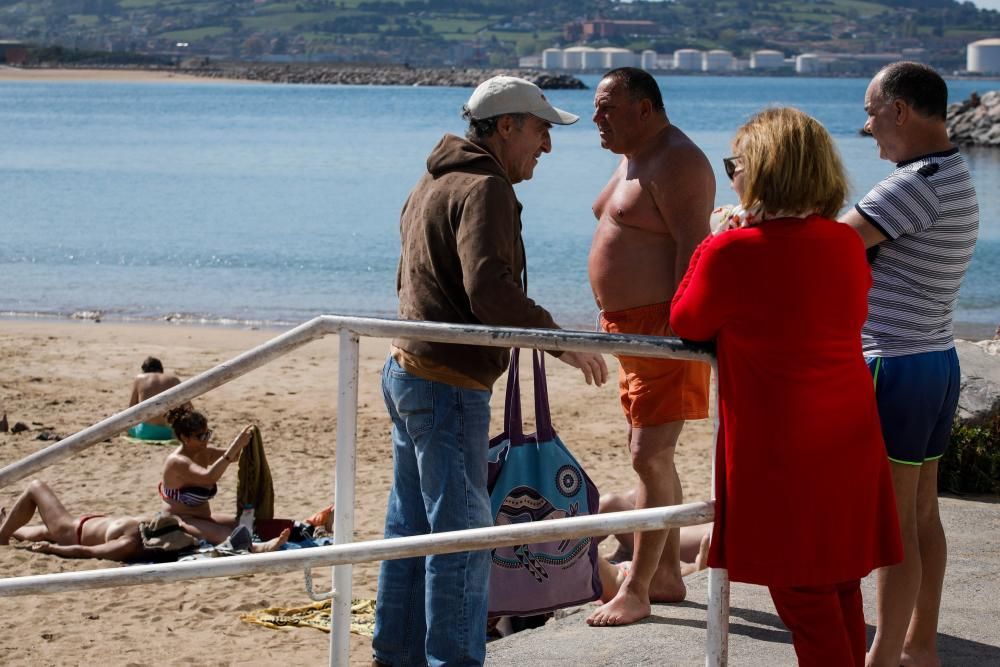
(271, 545)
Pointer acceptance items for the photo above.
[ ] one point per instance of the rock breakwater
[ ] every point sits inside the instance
(976, 121)
(373, 75)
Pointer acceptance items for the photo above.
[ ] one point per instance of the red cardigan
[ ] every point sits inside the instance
(804, 493)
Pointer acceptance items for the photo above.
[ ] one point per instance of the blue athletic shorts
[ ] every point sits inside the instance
(917, 395)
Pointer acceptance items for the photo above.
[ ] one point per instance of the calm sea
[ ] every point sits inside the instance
(273, 203)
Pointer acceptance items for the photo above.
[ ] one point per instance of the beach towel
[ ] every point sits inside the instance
(535, 478)
(315, 615)
(255, 489)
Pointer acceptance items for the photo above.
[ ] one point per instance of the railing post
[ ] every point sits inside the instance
(343, 518)
(717, 638)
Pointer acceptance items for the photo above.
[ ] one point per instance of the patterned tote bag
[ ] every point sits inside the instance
(535, 478)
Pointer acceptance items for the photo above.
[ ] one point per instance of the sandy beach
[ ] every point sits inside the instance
(63, 376)
(63, 75)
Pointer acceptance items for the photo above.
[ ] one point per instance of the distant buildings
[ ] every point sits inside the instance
(603, 29)
(12, 52)
(984, 56)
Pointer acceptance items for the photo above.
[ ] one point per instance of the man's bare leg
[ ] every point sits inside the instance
(620, 502)
(920, 647)
(655, 574)
(38, 496)
(898, 585)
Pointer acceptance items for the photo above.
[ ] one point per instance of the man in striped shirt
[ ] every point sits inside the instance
(920, 225)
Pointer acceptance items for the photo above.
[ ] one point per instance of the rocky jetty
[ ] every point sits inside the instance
(979, 400)
(371, 75)
(976, 121)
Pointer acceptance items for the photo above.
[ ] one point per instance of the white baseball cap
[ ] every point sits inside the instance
(509, 94)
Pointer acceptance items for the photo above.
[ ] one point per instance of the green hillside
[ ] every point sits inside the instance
(488, 32)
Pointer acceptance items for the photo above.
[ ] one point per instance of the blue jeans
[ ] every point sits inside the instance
(432, 610)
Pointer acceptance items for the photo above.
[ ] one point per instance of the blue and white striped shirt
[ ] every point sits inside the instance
(928, 212)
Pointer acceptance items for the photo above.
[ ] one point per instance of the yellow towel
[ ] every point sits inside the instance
(255, 488)
(315, 615)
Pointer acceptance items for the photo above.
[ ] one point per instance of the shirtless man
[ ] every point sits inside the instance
(151, 381)
(651, 215)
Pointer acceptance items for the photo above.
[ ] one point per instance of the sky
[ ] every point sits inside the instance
(987, 4)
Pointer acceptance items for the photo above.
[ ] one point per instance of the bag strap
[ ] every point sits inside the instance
(512, 417)
(543, 418)
(512, 422)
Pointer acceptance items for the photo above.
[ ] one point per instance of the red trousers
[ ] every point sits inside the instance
(827, 623)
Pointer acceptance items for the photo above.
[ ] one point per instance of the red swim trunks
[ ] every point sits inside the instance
(657, 391)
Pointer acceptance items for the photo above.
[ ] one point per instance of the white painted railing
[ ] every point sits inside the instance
(346, 552)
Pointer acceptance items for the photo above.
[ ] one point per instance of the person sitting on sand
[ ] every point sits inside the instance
(151, 381)
(107, 537)
(191, 472)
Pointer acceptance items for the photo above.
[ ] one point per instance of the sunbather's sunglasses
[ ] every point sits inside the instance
(204, 436)
(730, 164)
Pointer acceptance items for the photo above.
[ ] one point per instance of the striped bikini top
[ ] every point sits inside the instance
(192, 496)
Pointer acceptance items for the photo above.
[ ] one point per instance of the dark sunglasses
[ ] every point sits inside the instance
(204, 436)
(730, 165)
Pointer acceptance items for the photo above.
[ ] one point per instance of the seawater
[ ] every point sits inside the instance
(274, 203)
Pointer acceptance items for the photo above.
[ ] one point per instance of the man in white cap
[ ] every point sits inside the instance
(462, 262)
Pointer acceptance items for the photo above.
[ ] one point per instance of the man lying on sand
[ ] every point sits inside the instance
(114, 538)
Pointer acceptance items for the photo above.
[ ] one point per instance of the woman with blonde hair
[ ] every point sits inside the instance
(805, 503)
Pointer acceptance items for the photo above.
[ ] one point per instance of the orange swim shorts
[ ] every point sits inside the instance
(657, 391)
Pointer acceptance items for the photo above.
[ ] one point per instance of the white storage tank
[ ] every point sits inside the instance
(615, 57)
(983, 57)
(593, 60)
(807, 63)
(573, 57)
(648, 59)
(687, 59)
(717, 60)
(553, 59)
(767, 59)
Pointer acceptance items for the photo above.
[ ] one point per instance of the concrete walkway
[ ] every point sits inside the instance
(675, 634)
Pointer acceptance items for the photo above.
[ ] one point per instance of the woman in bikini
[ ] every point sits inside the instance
(191, 472)
(101, 536)
(62, 534)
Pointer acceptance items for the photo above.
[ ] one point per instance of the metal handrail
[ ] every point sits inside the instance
(655, 518)
(345, 552)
